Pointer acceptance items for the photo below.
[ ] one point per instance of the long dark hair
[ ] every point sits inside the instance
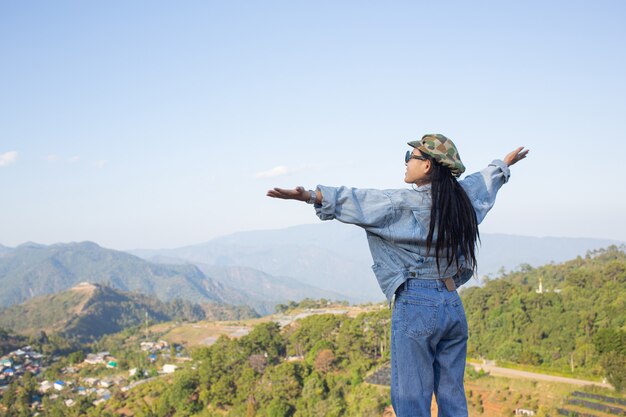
(453, 216)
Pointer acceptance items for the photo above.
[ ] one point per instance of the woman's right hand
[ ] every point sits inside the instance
(298, 193)
(515, 156)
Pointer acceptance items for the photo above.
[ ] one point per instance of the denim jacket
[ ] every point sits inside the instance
(396, 223)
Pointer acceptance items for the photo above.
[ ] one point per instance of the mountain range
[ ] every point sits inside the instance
(32, 270)
(257, 268)
(335, 256)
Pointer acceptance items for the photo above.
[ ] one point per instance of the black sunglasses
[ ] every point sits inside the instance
(409, 155)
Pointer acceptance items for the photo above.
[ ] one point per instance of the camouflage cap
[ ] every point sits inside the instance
(442, 150)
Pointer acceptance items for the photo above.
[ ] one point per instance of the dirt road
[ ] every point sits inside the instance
(514, 373)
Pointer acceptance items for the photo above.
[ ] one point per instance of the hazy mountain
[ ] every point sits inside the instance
(330, 256)
(258, 268)
(262, 291)
(510, 251)
(335, 257)
(32, 270)
(255, 288)
(88, 311)
(4, 250)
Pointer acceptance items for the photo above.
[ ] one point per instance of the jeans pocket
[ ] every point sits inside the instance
(460, 312)
(418, 317)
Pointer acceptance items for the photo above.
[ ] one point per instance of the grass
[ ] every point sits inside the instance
(545, 371)
(205, 332)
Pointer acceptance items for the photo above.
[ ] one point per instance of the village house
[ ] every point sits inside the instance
(19, 353)
(91, 381)
(7, 372)
(36, 404)
(19, 369)
(118, 379)
(33, 368)
(169, 368)
(105, 383)
(147, 346)
(103, 393)
(154, 346)
(45, 386)
(96, 358)
(17, 362)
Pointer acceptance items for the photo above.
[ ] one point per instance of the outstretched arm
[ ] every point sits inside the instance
(367, 208)
(515, 156)
(298, 193)
(482, 187)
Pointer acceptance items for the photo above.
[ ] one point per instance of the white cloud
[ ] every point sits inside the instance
(101, 163)
(75, 158)
(274, 172)
(51, 158)
(7, 158)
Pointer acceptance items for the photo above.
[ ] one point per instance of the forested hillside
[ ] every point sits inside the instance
(569, 318)
(88, 311)
(315, 367)
(576, 322)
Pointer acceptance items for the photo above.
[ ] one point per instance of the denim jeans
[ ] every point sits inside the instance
(428, 350)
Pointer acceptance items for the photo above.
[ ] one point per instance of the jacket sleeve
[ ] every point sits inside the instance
(481, 187)
(368, 208)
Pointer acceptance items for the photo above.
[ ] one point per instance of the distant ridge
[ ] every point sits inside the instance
(511, 251)
(335, 256)
(32, 270)
(264, 291)
(88, 311)
(257, 268)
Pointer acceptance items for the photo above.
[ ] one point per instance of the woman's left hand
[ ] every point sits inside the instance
(515, 156)
(298, 193)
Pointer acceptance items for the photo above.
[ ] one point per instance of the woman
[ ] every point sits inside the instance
(422, 242)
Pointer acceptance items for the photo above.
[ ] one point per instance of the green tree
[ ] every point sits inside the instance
(282, 384)
(76, 357)
(279, 407)
(610, 340)
(223, 391)
(265, 339)
(614, 364)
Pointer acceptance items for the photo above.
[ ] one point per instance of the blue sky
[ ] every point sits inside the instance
(151, 124)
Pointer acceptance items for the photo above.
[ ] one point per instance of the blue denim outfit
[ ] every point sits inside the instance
(429, 329)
